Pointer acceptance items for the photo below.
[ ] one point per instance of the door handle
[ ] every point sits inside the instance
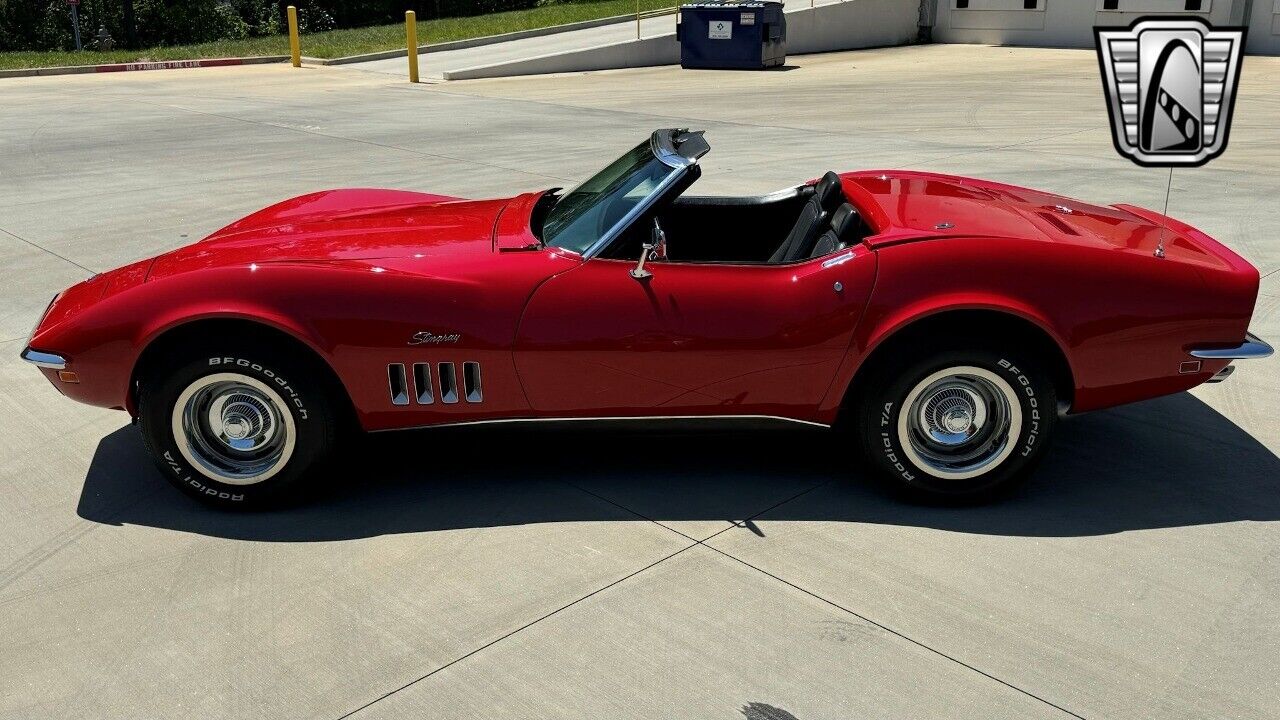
(840, 259)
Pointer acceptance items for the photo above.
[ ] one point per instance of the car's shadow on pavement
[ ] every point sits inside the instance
(1165, 463)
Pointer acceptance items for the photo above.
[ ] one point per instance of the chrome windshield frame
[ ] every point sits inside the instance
(639, 209)
(662, 145)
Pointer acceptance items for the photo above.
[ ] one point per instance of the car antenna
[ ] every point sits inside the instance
(1164, 218)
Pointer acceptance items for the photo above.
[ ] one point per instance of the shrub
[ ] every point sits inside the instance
(46, 24)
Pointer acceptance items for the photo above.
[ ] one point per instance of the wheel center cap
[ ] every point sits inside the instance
(957, 420)
(236, 428)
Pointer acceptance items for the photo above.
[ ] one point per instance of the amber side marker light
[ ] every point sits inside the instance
(68, 376)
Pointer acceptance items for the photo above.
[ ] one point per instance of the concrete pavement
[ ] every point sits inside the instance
(653, 572)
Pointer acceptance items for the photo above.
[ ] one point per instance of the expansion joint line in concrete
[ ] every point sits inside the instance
(529, 624)
(693, 542)
(46, 250)
(834, 604)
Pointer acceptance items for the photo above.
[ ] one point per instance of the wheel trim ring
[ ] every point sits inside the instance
(1011, 433)
(203, 466)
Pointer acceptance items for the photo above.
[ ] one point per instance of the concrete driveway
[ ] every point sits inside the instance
(636, 572)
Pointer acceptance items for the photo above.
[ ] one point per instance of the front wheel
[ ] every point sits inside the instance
(238, 428)
(958, 425)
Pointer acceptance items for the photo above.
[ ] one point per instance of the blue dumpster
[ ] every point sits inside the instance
(732, 35)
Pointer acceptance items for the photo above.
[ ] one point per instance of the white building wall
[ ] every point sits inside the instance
(850, 25)
(1264, 28)
(1069, 23)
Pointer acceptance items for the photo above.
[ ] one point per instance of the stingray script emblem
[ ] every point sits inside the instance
(425, 337)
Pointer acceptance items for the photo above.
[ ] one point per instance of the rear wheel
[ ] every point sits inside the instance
(238, 428)
(958, 425)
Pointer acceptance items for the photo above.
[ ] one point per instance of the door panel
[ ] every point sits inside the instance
(692, 339)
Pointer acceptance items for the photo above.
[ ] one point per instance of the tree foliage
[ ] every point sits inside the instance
(46, 24)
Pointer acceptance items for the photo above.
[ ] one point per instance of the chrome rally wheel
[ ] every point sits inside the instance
(955, 425)
(959, 422)
(237, 426)
(233, 428)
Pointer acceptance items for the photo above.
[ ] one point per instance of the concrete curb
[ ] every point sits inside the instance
(645, 52)
(488, 39)
(129, 67)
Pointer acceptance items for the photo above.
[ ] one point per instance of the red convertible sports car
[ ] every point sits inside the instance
(941, 323)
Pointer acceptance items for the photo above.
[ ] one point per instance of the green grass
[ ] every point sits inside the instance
(357, 41)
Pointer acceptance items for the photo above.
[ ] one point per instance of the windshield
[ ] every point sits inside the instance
(591, 210)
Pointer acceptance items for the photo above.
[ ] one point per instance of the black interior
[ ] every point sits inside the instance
(844, 225)
(782, 227)
(814, 218)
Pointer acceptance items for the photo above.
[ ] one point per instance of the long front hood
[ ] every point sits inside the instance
(345, 225)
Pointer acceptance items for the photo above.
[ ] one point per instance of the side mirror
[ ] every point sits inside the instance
(655, 249)
(657, 242)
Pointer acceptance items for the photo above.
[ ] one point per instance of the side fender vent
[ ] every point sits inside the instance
(448, 383)
(398, 384)
(425, 392)
(422, 383)
(471, 387)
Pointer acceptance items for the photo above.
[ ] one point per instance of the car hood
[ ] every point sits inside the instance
(345, 225)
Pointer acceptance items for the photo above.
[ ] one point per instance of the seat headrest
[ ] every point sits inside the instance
(828, 190)
(844, 220)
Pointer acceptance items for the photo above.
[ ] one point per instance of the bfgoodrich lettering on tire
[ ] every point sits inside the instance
(956, 425)
(237, 428)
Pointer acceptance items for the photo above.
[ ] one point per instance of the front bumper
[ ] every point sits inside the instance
(44, 359)
(1252, 348)
(39, 358)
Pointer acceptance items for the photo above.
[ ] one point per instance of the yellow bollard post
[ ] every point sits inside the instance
(295, 53)
(411, 43)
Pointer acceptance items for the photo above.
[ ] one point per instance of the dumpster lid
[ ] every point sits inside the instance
(729, 5)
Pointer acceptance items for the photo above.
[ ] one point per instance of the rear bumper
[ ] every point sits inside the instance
(1222, 374)
(1252, 348)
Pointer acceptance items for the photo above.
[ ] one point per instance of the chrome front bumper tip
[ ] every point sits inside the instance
(1252, 348)
(44, 359)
